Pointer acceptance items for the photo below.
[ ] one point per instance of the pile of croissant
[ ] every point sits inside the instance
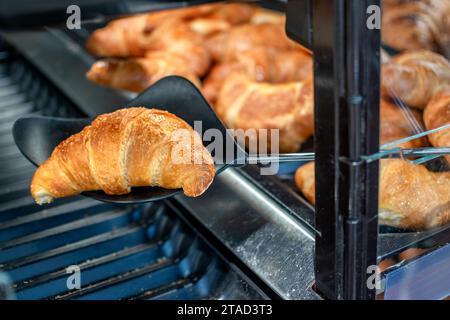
(228, 51)
(256, 78)
(417, 25)
(411, 196)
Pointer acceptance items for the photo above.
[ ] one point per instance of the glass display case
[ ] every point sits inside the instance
(370, 218)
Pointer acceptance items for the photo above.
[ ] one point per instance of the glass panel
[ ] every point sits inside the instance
(414, 194)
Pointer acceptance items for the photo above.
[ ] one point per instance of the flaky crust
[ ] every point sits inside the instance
(260, 64)
(127, 148)
(437, 114)
(415, 77)
(289, 107)
(410, 26)
(128, 38)
(246, 36)
(410, 197)
(137, 74)
(416, 24)
(397, 123)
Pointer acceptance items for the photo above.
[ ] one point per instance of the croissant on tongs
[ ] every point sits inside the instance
(130, 147)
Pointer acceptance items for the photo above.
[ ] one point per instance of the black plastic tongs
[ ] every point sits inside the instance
(37, 136)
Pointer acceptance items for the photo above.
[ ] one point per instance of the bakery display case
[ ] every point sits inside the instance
(360, 86)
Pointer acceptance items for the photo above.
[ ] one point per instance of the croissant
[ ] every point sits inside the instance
(260, 64)
(132, 40)
(444, 35)
(437, 114)
(396, 124)
(179, 39)
(233, 13)
(137, 74)
(130, 36)
(127, 148)
(410, 26)
(411, 197)
(156, 18)
(245, 104)
(220, 18)
(246, 36)
(262, 15)
(415, 77)
(208, 26)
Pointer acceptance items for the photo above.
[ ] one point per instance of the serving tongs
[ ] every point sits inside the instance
(37, 136)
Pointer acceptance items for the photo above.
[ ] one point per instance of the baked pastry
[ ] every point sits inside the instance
(410, 26)
(397, 123)
(233, 13)
(262, 65)
(437, 114)
(129, 38)
(411, 196)
(127, 148)
(246, 36)
(137, 74)
(289, 107)
(225, 16)
(177, 38)
(416, 24)
(415, 77)
(262, 15)
(208, 26)
(305, 181)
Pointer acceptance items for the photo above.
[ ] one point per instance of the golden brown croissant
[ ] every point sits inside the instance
(260, 64)
(247, 36)
(132, 40)
(437, 114)
(417, 24)
(127, 148)
(177, 38)
(208, 26)
(221, 18)
(415, 77)
(410, 26)
(233, 13)
(245, 104)
(396, 124)
(410, 196)
(262, 15)
(130, 36)
(156, 18)
(137, 74)
(121, 38)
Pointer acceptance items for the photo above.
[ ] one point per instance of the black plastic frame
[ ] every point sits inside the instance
(347, 82)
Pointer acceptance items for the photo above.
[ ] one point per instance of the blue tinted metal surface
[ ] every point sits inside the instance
(427, 277)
